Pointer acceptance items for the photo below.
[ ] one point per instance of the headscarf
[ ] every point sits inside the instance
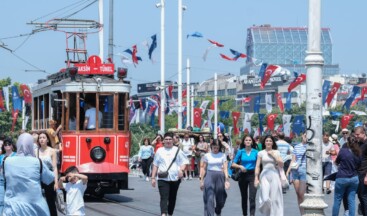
(25, 145)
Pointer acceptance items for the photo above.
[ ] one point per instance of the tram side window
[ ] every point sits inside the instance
(56, 104)
(106, 107)
(121, 111)
(72, 111)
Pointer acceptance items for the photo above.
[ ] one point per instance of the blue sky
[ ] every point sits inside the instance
(136, 20)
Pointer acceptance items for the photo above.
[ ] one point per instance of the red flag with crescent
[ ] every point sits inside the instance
(271, 120)
(300, 79)
(197, 117)
(332, 92)
(268, 72)
(212, 105)
(26, 93)
(184, 93)
(344, 121)
(2, 106)
(280, 102)
(14, 115)
(363, 91)
(235, 117)
(246, 99)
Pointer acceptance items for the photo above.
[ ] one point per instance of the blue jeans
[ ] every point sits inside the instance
(346, 186)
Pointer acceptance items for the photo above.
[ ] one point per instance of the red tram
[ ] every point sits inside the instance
(103, 152)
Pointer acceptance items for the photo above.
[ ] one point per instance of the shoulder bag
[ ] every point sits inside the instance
(236, 173)
(165, 173)
(295, 165)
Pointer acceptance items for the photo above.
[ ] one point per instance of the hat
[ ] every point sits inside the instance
(345, 130)
(332, 140)
(334, 136)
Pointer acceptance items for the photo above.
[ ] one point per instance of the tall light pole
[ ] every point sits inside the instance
(180, 9)
(100, 33)
(163, 82)
(188, 113)
(314, 203)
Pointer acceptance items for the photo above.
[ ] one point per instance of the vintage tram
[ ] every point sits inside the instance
(102, 153)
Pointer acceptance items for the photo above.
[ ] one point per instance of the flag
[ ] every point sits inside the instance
(280, 102)
(336, 123)
(332, 92)
(184, 93)
(204, 104)
(360, 113)
(26, 93)
(224, 114)
(268, 73)
(2, 106)
(14, 114)
(236, 55)
(214, 44)
(235, 117)
(271, 120)
(6, 97)
(356, 101)
(152, 46)
(257, 104)
(298, 125)
(325, 90)
(300, 79)
(363, 92)
(210, 116)
(288, 103)
(17, 101)
(351, 97)
(195, 34)
(287, 125)
(262, 70)
(334, 115)
(344, 121)
(247, 122)
(169, 94)
(212, 105)
(197, 117)
(133, 53)
(246, 99)
(261, 117)
(256, 132)
(268, 103)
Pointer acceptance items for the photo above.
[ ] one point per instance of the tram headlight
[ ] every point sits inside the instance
(98, 154)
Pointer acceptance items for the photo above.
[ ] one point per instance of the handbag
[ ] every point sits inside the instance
(236, 173)
(283, 178)
(164, 174)
(295, 165)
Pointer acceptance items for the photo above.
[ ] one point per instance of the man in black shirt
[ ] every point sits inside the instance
(360, 134)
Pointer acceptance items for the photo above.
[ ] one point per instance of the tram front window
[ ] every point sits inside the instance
(90, 118)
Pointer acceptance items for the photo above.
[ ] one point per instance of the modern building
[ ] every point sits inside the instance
(286, 47)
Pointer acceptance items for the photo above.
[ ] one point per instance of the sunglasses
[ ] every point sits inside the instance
(7, 144)
(345, 133)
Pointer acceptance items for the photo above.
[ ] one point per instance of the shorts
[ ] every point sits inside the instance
(326, 168)
(299, 174)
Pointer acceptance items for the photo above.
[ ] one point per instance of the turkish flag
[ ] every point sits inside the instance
(356, 101)
(235, 116)
(197, 117)
(363, 91)
(268, 72)
(246, 99)
(184, 93)
(212, 105)
(332, 92)
(271, 120)
(2, 106)
(280, 102)
(344, 121)
(14, 115)
(300, 79)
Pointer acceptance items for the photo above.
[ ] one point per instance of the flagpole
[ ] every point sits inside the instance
(314, 203)
(188, 123)
(192, 105)
(100, 33)
(163, 82)
(215, 106)
(179, 64)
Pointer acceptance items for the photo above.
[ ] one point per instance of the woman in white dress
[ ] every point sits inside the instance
(271, 196)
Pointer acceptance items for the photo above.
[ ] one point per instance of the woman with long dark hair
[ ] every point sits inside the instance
(271, 195)
(346, 183)
(245, 160)
(146, 153)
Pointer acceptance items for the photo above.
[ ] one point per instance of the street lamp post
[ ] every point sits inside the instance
(314, 203)
(163, 82)
(180, 9)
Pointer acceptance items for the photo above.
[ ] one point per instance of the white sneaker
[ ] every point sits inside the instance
(190, 177)
(346, 213)
(185, 178)
(147, 179)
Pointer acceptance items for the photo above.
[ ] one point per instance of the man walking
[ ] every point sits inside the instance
(285, 152)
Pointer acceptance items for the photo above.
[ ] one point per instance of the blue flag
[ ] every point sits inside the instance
(195, 34)
(298, 125)
(17, 100)
(257, 104)
(262, 70)
(152, 46)
(184, 119)
(325, 90)
(261, 117)
(351, 97)
(152, 117)
(196, 103)
(224, 114)
(288, 104)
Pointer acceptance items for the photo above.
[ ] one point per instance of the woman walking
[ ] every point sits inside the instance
(271, 196)
(146, 153)
(245, 160)
(346, 183)
(299, 174)
(48, 156)
(8, 150)
(216, 180)
(169, 163)
(200, 151)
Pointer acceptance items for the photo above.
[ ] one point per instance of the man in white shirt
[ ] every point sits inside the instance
(327, 151)
(90, 117)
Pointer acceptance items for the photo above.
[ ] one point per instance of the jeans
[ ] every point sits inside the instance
(145, 164)
(248, 191)
(168, 192)
(346, 186)
(362, 194)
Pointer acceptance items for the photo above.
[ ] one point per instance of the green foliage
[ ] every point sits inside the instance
(5, 82)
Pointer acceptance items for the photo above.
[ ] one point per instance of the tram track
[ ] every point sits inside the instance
(118, 203)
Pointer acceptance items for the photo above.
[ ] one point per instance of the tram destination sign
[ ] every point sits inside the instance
(94, 65)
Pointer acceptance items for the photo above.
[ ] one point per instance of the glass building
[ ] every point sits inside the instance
(286, 47)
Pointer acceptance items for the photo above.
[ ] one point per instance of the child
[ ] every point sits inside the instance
(75, 185)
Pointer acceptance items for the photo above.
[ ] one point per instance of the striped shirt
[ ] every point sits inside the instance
(298, 151)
